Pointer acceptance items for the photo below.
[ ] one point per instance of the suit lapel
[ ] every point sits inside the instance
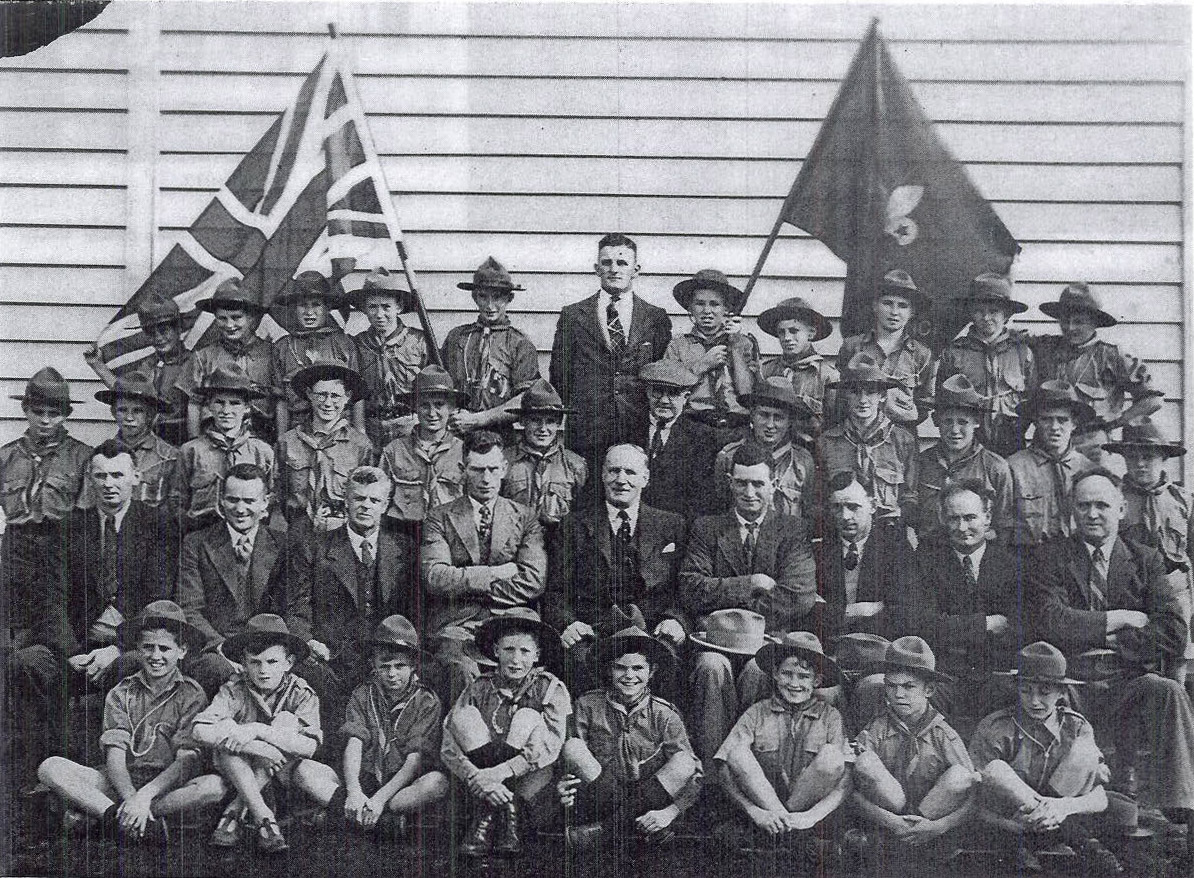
(591, 323)
(343, 562)
(647, 532)
(1119, 574)
(218, 547)
(504, 515)
(460, 513)
(598, 527)
(731, 546)
(768, 544)
(265, 553)
(387, 566)
(1079, 567)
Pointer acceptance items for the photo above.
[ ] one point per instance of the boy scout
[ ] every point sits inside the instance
(998, 362)
(390, 355)
(490, 361)
(543, 474)
(798, 325)
(151, 764)
(314, 338)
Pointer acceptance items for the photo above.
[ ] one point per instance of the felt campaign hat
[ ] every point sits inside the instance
(668, 373)
(230, 294)
(1053, 393)
(900, 283)
(385, 283)
(709, 279)
(1079, 297)
(795, 308)
(433, 379)
(802, 644)
(521, 620)
(171, 617)
(156, 308)
(47, 387)
(1144, 434)
(230, 378)
(911, 654)
(262, 631)
(634, 638)
(1041, 662)
(956, 392)
(541, 398)
(990, 288)
(307, 377)
(396, 632)
(737, 632)
(131, 386)
(491, 275)
(777, 393)
(310, 284)
(863, 371)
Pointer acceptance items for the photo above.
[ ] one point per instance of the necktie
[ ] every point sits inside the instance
(485, 532)
(1098, 581)
(366, 554)
(108, 551)
(657, 440)
(613, 322)
(850, 560)
(243, 549)
(749, 544)
(624, 564)
(969, 572)
(624, 535)
(366, 578)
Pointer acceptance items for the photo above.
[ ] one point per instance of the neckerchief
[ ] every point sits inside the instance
(391, 388)
(1060, 466)
(907, 753)
(40, 452)
(865, 442)
(322, 473)
(238, 349)
(722, 384)
(512, 700)
(227, 443)
(808, 360)
(478, 368)
(1152, 515)
(624, 712)
(384, 712)
(541, 462)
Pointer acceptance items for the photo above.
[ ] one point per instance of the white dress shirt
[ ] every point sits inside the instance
(624, 307)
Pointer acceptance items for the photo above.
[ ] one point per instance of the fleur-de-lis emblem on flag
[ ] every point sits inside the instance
(900, 203)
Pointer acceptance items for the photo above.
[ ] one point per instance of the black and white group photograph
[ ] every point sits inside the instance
(596, 439)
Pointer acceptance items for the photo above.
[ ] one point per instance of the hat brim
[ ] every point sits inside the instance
(333, 300)
(415, 650)
(497, 288)
(922, 303)
(190, 636)
(212, 305)
(716, 647)
(543, 410)
(770, 319)
(250, 393)
(235, 646)
(772, 655)
(1028, 678)
(1083, 412)
(551, 648)
(1009, 305)
(61, 403)
(881, 383)
(411, 400)
(405, 298)
(1166, 448)
(798, 409)
(889, 667)
(683, 293)
(1057, 309)
(943, 405)
(658, 653)
(304, 379)
(159, 320)
(109, 397)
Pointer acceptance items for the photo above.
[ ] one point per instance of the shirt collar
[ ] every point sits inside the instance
(356, 540)
(906, 339)
(860, 544)
(169, 682)
(802, 361)
(611, 513)
(477, 506)
(236, 535)
(118, 515)
(1106, 547)
(976, 556)
(617, 705)
(813, 708)
(743, 524)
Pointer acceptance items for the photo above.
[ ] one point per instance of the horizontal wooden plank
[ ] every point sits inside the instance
(62, 245)
(67, 130)
(86, 90)
(58, 168)
(61, 206)
(706, 98)
(88, 48)
(53, 284)
(1129, 144)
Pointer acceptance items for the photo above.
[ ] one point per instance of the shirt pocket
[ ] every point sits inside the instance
(59, 492)
(1031, 504)
(556, 500)
(408, 496)
(889, 480)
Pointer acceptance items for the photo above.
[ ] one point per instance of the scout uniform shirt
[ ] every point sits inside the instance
(718, 389)
(314, 467)
(1035, 750)
(1041, 487)
(388, 369)
(255, 357)
(884, 459)
(157, 463)
(426, 474)
(1160, 517)
(392, 728)
(792, 478)
(237, 703)
(547, 481)
(296, 351)
(980, 464)
(163, 375)
(1102, 374)
(808, 375)
(540, 691)
(41, 482)
(915, 757)
(1003, 371)
(151, 727)
(490, 363)
(784, 738)
(635, 742)
(205, 460)
(910, 365)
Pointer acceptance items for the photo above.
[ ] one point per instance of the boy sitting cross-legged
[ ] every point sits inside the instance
(392, 727)
(259, 724)
(151, 763)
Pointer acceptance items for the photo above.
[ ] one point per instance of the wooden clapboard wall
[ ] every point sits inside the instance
(526, 131)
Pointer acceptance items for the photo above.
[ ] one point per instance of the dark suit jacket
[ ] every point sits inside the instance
(582, 582)
(457, 588)
(323, 601)
(207, 579)
(147, 568)
(884, 574)
(953, 617)
(609, 402)
(682, 474)
(1060, 593)
(714, 574)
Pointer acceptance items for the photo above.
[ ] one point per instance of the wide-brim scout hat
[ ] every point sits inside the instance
(1079, 297)
(709, 279)
(863, 371)
(521, 620)
(307, 377)
(1052, 394)
(668, 373)
(312, 284)
(47, 387)
(634, 638)
(433, 379)
(990, 288)
(230, 378)
(397, 632)
(262, 631)
(491, 275)
(1041, 662)
(541, 399)
(777, 393)
(802, 644)
(171, 617)
(737, 632)
(384, 283)
(1144, 434)
(133, 386)
(230, 294)
(911, 655)
(155, 309)
(795, 308)
(956, 392)
(901, 283)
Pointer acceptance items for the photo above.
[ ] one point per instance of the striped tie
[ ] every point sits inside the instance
(617, 335)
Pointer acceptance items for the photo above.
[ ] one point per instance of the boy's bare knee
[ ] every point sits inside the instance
(468, 727)
(51, 769)
(211, 788)
(523, 724)
(437, 784)
(868, 766)
(829, 762)
(995, 771)
(958, 779)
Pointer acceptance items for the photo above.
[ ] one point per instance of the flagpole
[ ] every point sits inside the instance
(754, 275)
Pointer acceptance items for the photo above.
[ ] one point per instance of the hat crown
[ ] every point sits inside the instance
(1079, 295)
(541, 395)
(805, 640)
(669, 373)
(47, 383)
(795, 308)
(492, 273)
(712, 275)
(734, 629)
(777, 391)
(1144, 432)
(911, 652)
(397, 631)
(156, 307)
(863, 368)
(990, 284)
(957, 392)
(267, 623)
(162, 609)
(383, 280)
(133, 385)
(229, 376)
(434, 379)
(1042, 661)
(898, 280)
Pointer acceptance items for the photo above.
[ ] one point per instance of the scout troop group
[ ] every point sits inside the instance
(677, 577)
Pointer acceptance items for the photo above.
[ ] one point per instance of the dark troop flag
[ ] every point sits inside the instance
(310, 195)
(882, 192)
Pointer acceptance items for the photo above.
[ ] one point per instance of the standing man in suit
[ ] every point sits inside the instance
(680, 450)
(482, 555)
(1096, 590)
(227, 571)
(600, 344)
(612, 556)
(751, 558)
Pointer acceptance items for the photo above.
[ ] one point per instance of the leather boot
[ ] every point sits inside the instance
(479, 839)
(510, 843)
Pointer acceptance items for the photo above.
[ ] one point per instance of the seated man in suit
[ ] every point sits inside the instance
(482, 555)
(1095, 590)
(227, 571)
(751, 558)
(680, 450)
(610, 557)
